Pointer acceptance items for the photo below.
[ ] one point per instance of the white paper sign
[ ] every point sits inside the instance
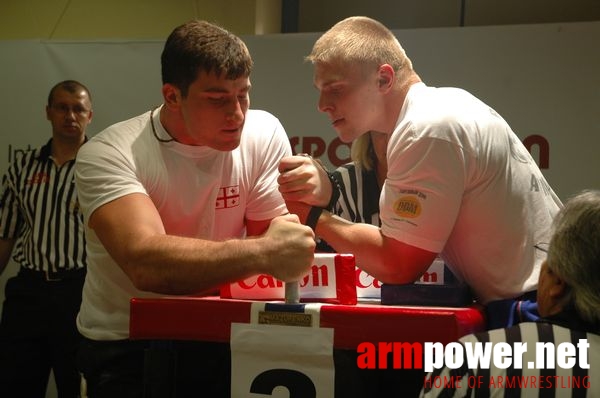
(281, 361)
(369, 287)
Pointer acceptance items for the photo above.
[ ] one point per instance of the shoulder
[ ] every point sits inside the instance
(259, 122)
(261, 115)
(22, 158)
(421, 94)
(442, 105)
(263, 127)
(119, 135)
(441, 115)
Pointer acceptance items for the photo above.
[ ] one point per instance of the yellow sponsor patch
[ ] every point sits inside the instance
(408, 207)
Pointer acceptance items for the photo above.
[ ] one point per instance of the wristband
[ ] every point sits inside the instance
(335, 191)
(313, 217)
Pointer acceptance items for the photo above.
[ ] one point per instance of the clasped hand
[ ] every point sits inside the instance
(304, 179)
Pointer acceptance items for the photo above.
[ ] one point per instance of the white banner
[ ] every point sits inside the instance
(543, 79)
(281, 361)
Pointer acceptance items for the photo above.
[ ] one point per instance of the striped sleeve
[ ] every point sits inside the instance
(39, 207)
(358, 200)
(10, 216)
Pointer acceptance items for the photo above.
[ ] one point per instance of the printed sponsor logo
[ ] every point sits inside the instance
(408, 207)
(317, 277)
(38, 178)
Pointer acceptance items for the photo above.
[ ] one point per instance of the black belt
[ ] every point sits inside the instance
(53, 276)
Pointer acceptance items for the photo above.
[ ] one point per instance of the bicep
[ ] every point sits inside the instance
(405, 263)
(423, 193)
(122, 225)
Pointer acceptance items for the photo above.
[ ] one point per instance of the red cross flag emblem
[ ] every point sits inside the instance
(228, 197)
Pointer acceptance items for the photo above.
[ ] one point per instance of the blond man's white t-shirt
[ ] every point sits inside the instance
(461, 183)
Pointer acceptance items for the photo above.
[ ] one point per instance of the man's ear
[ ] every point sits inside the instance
(385, 77)
(171, 95)
(557, 288)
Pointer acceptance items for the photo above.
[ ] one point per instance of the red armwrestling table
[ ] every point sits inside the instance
(185, 318)
(209, 319)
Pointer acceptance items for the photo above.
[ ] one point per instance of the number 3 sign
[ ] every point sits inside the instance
(281, 361)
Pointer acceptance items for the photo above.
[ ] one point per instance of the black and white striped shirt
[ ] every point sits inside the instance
(359, 194)
(529, 379)
(39, 208)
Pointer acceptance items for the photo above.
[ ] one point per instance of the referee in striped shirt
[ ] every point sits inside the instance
(40, 219)
(569, 303)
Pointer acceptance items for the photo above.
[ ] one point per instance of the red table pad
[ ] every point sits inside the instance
(210, 318)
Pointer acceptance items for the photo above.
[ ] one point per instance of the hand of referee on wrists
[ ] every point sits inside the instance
(303, 179)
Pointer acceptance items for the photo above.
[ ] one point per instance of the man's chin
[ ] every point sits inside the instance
(227, 146)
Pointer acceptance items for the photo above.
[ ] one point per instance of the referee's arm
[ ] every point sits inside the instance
(6, 248)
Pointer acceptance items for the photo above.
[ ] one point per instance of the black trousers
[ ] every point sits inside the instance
(160, 369)
(182, 369)
(38, 334)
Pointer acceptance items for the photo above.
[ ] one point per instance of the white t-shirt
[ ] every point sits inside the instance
(461, 183)
(198, 191)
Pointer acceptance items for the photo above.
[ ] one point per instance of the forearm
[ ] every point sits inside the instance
(365, 241)
(170, 264)
(176, 265)
(387, 259)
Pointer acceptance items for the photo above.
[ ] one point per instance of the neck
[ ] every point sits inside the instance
(65, 150)
(397, 102)
(569, 318)
(174, 125)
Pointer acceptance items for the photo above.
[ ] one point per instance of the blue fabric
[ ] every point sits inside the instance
(509, 312)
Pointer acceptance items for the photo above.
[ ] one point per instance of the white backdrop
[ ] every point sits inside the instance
(544, 79)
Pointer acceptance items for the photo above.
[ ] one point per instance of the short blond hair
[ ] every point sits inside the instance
(363, 41)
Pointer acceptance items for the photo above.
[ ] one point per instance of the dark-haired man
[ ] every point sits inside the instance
(40, 219)
(180, 200)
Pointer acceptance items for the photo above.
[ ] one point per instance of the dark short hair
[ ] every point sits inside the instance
(71, 86)
(202, 46)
